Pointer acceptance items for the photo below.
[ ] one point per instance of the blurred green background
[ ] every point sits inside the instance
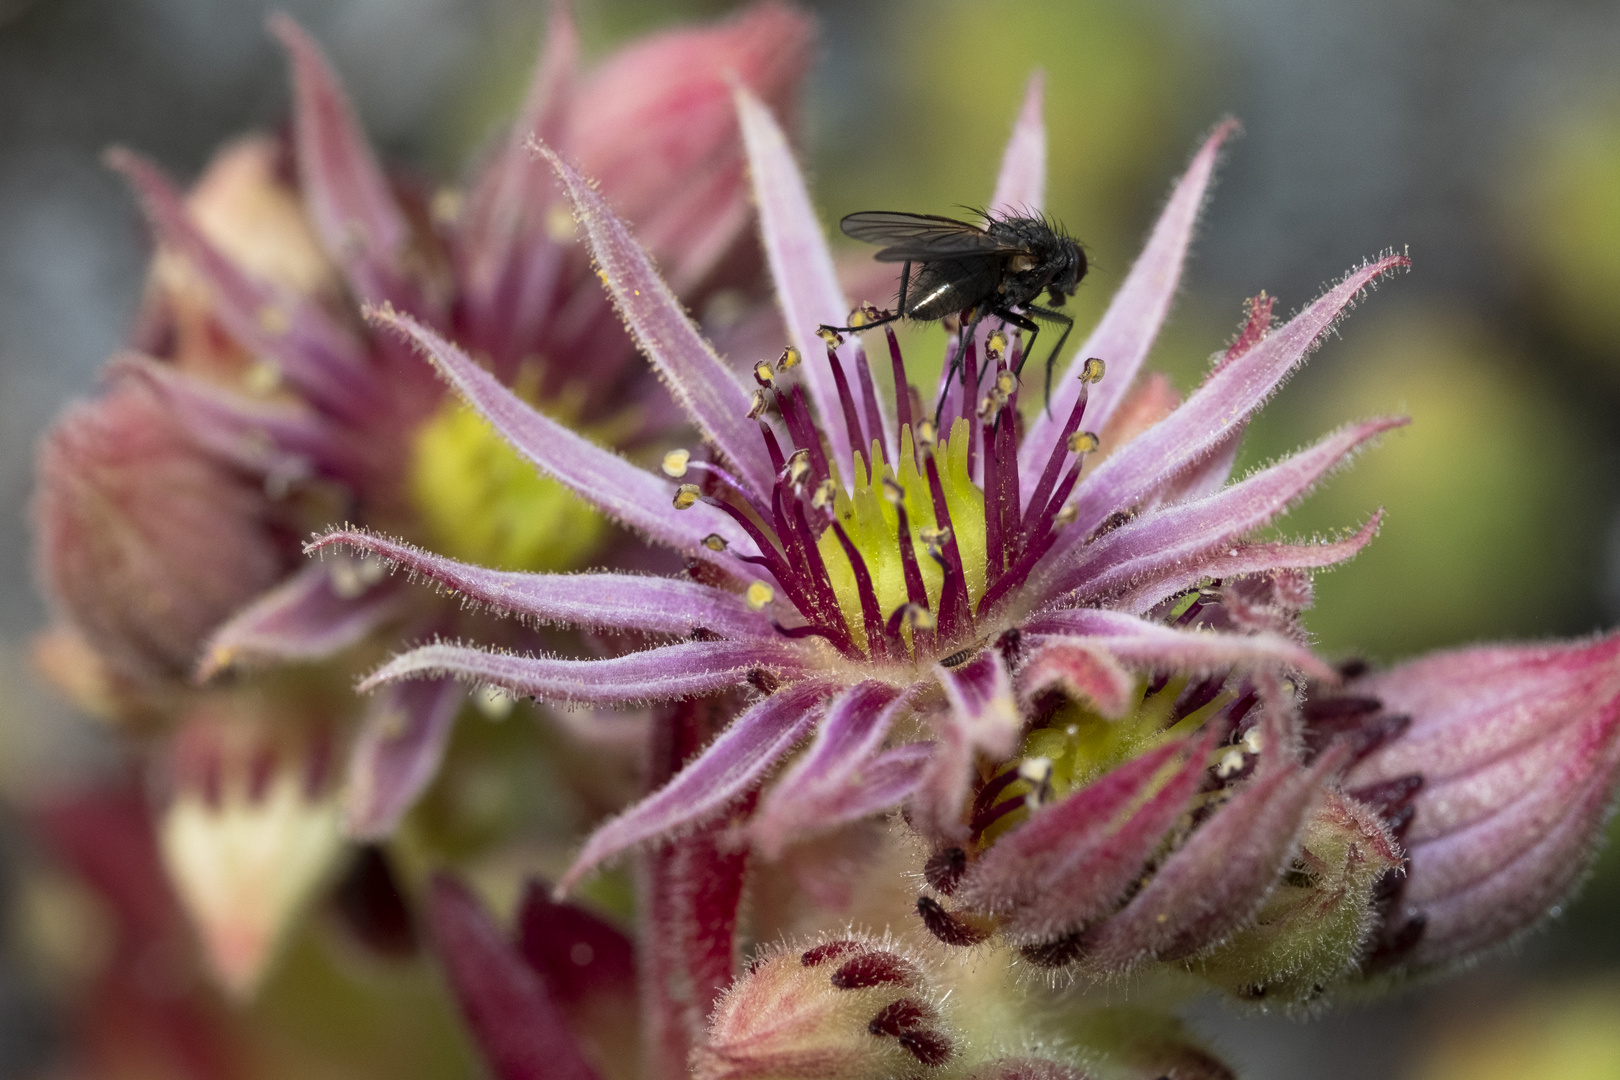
(1482, 136)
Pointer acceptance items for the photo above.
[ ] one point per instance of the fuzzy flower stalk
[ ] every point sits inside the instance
(254, 406)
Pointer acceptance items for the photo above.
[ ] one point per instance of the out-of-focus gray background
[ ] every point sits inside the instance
(1483, 136)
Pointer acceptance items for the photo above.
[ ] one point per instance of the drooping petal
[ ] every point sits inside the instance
(1242, 560)
(842, 777)
(672, 671)
(1204, 419)
(1181, 536)
(549, 938)
(347, 194)
(621, 490)
(806, 284)
(1125, 334)
(397, 753)
(1149, 644)
(981, 716)
(514, 1018)
(1021, 184)
(320, 610)
(314, 354)
(704, 386)
(1081, 670)
(732, 764)
(659, 605)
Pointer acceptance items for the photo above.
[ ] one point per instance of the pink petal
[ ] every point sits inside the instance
(344, 188)
(315, 354)
(732, 764)
(670, 671)
(1183, 535)
(1242, 560)
(309, 616)
(1205, 418)
(982, 716)
(619, 489)
(397, 753)
(1021, 184)
(657, 605)
(1125, 334)
(834, 782)
(1082, 671)
(806, 284)
(1142, 643)
(696, 377)
(517, 1024)
(549, 938)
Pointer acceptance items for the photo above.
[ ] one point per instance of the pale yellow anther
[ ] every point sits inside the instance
(1083, 442)
(758, 595)
(762, 374)
(1092, 370)
(823, 498)
(918, 617)
(1253, 740)
(997, 343)
(789, 359)
(262, 377)
(1065, 515)
(832, 337)
(757, 407)
(932, 537)
(857, 318)
(714, 542)
(893, 491)
(988, 407)
(925, 434)
(1006, 382)
(1231, 763)
(686, 496)
(675, 462)
(798, 466)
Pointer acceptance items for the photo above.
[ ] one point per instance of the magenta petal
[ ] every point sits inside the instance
(982, 715)
(672, 671)
(806, 284)
(660, 605)
(316, 612)
(619, 489)
(1021, 185)
(833, 783)
(1204, 419)
(1082, 671)
(1179, 537)
(1242, 560)
(1138, 642)
(516, 1022)
(1212, 885)
(704, 386)
(1072, 861)
(731, 765)
(316, 355)
(397, 753)
(549, 937)
(344, 188)
(1125, 334)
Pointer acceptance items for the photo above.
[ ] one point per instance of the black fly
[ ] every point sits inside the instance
(975, 272)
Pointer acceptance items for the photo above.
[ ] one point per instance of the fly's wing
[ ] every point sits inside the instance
(921, 237)
(946, 286)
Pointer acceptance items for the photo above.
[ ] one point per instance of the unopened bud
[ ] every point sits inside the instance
(675, 462)
(686, 496)
(843, 1010)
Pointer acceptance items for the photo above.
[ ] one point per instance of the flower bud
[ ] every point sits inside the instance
(251, 831)
(1501, 783)
(846, 1009)
(145, 543)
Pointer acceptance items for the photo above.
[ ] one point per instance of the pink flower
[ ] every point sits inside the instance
(904, 602)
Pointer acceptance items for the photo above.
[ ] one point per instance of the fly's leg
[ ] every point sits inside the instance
(1051, 357)
(963, 336)
(894, 316)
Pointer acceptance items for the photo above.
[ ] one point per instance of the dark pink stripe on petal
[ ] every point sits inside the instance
(1138, 642)
(704, 386)
(672, 671)
(397, 753)
(607, 601)
(731, 765)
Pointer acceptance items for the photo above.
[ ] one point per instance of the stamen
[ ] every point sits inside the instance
(797, 414)
(808, 630)
(798, 467)
(852, 420)
(789, 359)
(1054, 465)
(869, 398)
(832, 337)
(1083, 442)
(925, 434)
(762, 374)
(916, 591)
(954, 613)
(686, 496)
(772, 447)
(871, 615)
(715, 542)
(821, 581)
(730, 483)
(1093, 369)
(675, 462)
(902, 388)
(756, 408)
(825, 493)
